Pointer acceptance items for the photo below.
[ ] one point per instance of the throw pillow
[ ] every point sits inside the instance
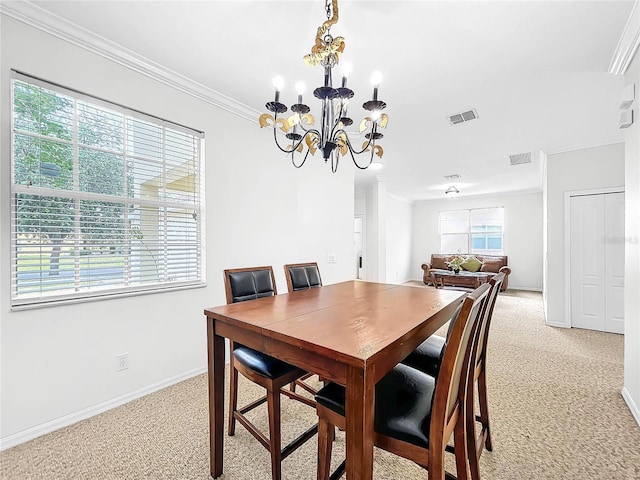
(492, 266)
(471, 264)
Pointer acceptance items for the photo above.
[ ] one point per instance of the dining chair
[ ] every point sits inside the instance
(302, 276)
(415, 414)
(245, 284)
(428, 357)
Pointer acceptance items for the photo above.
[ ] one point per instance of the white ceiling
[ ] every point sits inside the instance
(535, 71)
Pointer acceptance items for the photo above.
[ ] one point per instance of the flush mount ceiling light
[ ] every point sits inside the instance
(452, 191)
(331, 138)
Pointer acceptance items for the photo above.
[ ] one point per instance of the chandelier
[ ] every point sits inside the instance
(331, 138)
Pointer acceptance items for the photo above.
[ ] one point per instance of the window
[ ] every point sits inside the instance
(105, 200)
(472, 231)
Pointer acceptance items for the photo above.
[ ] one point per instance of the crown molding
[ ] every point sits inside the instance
(628, 43)
(37, 17)
(617, 138)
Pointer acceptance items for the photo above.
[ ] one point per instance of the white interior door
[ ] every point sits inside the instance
(587, 262)
(614, 265)
(597, 262)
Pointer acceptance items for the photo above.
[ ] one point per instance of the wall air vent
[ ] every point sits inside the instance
(520, 158)
(463, 117)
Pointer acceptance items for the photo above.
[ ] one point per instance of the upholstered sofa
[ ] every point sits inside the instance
(491, 264)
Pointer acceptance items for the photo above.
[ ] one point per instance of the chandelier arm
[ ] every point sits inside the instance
(370, 143)
(275, 139)
(336, 123)
(304, 129)
(296, 144)
(307, 133)
(295, 147)
(335, 159)
(303, 160)
(352, 152)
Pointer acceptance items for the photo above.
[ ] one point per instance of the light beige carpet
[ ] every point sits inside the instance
(555, 407)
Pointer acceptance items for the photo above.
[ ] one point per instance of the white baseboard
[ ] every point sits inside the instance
(631, 404)
(527, 289)
(557, 324)
(48, 427)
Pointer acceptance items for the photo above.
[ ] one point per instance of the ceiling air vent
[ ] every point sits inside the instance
(463, 117)
(520, 158)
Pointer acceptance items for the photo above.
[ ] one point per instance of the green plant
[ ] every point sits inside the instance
(455, 263)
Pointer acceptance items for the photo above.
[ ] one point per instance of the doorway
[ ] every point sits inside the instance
(358, 246)
(596, 243)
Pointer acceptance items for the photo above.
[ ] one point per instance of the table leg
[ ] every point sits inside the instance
(359, 417)
(215, 353)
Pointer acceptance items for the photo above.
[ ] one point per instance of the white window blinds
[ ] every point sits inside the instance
(105, 200)
(472, 231)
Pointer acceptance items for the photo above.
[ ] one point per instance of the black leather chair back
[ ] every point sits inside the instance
(303, 276)
(249, 284)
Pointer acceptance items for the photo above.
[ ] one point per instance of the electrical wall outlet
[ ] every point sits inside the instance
(122, 361)
(332, 258)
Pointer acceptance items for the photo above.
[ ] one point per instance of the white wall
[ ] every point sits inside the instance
(586, 169)
(631, 390)
(360, 203)
(522, 233)
(379, 210)
(398, 240)
(58, 363)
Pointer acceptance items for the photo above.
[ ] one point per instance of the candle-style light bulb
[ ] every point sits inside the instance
(376, 79)
(278, 83)
(300, 87)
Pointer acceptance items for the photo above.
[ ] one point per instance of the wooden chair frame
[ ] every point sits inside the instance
(448, 411)
(478, 377)
(273, 387)
(287, 273)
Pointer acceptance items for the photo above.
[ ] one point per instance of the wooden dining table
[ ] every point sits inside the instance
(352, 333)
